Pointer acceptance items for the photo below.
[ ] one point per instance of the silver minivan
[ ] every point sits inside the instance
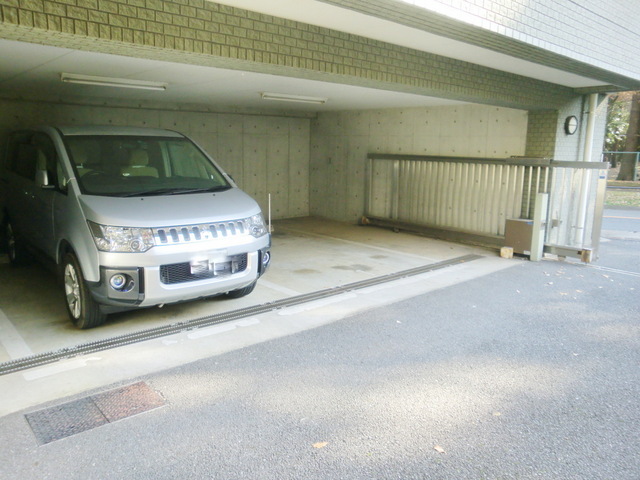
(132, 217)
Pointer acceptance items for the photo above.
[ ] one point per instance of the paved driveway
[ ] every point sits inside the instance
(528, 373)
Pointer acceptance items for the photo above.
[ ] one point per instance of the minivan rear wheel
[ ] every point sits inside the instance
(15, 249)
(83, 310)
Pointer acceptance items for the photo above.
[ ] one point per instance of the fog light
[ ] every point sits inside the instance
(121, 282)
(266, 257)
(118, 281)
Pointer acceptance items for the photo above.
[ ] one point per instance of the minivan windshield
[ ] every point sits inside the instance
(129, 166)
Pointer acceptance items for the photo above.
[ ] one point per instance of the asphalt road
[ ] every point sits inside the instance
(622, 219)
(529, 373)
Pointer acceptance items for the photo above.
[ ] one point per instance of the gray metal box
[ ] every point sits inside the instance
(518, 234)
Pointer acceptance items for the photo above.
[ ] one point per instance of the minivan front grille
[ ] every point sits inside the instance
(199, 233)
(186, 272)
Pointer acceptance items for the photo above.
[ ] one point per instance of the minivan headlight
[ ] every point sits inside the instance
(256, 226)
(109, 238)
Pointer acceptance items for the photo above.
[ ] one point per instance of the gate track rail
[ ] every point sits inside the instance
(151, 333)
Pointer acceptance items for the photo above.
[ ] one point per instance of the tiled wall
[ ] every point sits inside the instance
(586, 36)
(546, 136)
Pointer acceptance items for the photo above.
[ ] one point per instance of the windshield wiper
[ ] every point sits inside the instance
(220, 188)
(175, 191)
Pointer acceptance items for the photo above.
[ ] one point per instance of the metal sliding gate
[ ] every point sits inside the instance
(470, 199)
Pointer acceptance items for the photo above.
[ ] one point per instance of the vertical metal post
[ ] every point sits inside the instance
(601, 190)
(584, 185)
(395, 189)
(368, 187)
(269, 215)
(539, 226)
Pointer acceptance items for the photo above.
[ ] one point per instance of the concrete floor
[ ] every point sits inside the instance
(309, 254)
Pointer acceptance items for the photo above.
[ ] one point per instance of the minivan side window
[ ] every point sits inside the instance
(22, 156)
(47, 158)
(13, 149)
(28, 152)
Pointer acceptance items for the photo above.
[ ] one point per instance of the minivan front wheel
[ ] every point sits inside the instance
(82, 308)
(241, 292)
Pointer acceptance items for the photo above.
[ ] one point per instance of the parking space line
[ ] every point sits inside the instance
(216, 329)
(358, 244)
(317, 304)
(11, 340)
(57, 368)
(277, 288)
(614, 270)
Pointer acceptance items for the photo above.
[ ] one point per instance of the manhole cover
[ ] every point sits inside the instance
(90, 412)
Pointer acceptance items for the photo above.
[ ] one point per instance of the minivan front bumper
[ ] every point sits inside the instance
(176, 276)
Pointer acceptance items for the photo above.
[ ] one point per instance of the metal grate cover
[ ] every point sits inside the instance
(78, 416)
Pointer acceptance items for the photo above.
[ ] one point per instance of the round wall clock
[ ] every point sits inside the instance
(571, 125)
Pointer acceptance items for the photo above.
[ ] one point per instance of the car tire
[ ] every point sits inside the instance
(15, 249)
(83, 310)
(241, 292)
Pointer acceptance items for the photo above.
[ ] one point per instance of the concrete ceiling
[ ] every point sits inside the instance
(33, 71)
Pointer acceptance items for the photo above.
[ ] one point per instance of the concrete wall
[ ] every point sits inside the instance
(264, 154)
(340, 143)
(317, 166)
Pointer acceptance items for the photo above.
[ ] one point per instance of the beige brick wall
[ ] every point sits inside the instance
(546, 136)
(541, 135)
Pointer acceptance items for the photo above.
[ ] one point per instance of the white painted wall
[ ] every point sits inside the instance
(264, 154)
(341, 141)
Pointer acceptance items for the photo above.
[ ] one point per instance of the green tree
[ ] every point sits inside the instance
(623, 132)
(617, 122)
(628, 162)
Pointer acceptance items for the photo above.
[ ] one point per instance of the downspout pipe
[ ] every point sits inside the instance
(591, 128)
(587, 156)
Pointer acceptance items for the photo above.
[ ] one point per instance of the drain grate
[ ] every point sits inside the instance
(135, 337)
(78, 416)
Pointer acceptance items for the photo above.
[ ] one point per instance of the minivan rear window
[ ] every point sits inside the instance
(123, 165)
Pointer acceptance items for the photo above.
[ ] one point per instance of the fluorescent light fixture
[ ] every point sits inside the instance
(111, 82)
(283, 97)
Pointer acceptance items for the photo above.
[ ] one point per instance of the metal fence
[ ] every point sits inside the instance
(576, 204)
(474, 197)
